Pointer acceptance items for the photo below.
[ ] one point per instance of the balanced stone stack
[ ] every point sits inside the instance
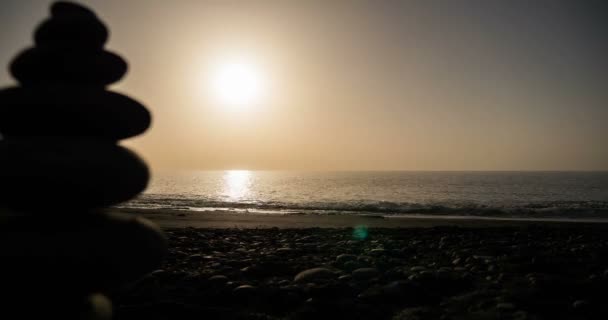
(62, 254)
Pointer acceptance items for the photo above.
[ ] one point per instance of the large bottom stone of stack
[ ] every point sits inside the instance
(39, 305)
(76, 256)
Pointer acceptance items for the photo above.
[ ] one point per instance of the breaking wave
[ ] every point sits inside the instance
(561, 209)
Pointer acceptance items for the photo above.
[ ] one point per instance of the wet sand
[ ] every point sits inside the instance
(243, 220)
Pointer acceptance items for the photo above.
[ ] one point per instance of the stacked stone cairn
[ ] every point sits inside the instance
(62, 255)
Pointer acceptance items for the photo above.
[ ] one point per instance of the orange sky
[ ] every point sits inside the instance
(412, 85)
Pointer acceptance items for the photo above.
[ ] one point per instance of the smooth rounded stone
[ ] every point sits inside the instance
(365, 273)
(418, 313)
(37, 66)
(62, 9)
(195, 257)
(580, 304)
(417, 269)
(345, 278)
(38, 305)
(343, 258)
(377, 252)
(79, 254)
(69, 111)
(314, 275)
(244, 291)
(67, 174)
(71, 33)
(284, 283)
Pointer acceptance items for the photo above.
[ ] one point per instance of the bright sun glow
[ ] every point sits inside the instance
(237, 84)
(237, 184)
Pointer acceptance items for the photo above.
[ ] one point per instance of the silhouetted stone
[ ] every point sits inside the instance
(72, 33)
(68, 111)
(37, 66)
(365, 273)
(59, 163)
(83, 254)
(244, 292)
(69, 9)
(43, 304)
(77, 173)
(314, 275)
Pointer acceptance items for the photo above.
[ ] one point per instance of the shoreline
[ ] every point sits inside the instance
(167, 218)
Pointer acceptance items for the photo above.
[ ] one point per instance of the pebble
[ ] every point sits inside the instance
(343, 258)
(365, 273)
(158, 273)
(244, 291)
(377, 252)
(451, 294)
(351, 265)
(345, 278)
(314, 274)
(218, 279)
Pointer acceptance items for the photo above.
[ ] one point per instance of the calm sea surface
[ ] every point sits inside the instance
(540, 194)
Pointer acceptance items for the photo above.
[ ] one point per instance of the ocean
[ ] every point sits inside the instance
(491, 194)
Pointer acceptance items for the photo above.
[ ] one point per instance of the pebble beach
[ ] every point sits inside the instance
(474, 270)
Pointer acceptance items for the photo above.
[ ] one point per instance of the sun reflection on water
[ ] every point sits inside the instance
(237, 184)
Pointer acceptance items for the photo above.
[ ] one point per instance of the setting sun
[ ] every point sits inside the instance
(237, 83)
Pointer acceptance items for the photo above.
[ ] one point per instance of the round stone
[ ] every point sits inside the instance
(365, 273)
(77, 255)
(74, 174)
(70, 9)
(314, 275)
(71, 33)
(244, 291)
(37, 66)
(341, 259)
(69, 111)
(39, 303)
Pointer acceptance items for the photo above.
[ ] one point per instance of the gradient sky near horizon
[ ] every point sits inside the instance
(360, 85)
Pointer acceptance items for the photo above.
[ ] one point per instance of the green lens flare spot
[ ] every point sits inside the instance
(360, 232)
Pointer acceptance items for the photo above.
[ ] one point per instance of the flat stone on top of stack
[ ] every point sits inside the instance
(69, 48)
(60, 165)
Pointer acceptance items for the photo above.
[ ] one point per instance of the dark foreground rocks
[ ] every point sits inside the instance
(534, 272)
